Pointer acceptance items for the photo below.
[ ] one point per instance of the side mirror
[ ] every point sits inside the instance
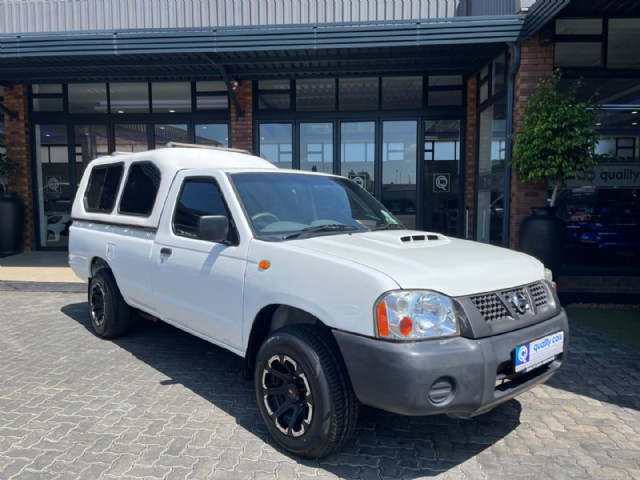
(213, 228)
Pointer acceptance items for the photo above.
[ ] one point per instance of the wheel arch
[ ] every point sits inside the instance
(269, 319)
(97, 263)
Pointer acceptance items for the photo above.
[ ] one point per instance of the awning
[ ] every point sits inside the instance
(459, 45)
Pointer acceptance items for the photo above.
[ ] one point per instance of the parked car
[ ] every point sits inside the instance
(327, 297)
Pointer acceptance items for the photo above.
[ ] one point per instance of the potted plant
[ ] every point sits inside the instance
(11, 210)
(555, 142)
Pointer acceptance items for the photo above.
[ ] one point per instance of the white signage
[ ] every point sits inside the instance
(441, 182)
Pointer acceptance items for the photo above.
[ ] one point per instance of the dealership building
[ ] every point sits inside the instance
(415, 100)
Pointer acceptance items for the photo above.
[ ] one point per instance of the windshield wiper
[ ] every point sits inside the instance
(388, 226)
(332, 227)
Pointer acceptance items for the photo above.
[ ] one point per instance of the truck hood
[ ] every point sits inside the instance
(421, 260)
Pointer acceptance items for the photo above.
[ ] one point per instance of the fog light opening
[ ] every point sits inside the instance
(442, 391)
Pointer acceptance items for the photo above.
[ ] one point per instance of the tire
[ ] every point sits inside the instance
(110, 315)
(303, 391)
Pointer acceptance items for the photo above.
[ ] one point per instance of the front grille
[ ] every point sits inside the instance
(538, 295)
(496, 306)
(490, 307)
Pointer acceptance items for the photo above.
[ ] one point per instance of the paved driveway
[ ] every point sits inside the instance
(162, 404)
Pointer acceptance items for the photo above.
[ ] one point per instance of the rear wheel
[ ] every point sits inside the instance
(110, 315)
(303, 391)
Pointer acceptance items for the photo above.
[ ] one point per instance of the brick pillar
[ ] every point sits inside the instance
(17, 143)
(470, 154)
(536, 63)
(242, 128)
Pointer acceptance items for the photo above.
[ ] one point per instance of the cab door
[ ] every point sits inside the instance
(197, 284)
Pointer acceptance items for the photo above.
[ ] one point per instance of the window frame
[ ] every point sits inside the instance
(124, 187)
(233, 236)
(117, 193)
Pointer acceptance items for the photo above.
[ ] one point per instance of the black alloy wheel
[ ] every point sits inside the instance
(303, 391)
(110, 314)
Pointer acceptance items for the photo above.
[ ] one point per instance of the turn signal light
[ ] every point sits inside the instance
(264, 264)
(383, 321)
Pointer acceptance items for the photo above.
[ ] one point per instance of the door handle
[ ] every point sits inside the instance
(165, 251)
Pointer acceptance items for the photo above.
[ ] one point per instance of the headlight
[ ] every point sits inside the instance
(548, 275)
(415, 315)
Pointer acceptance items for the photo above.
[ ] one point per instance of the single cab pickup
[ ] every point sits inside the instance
(331, 302)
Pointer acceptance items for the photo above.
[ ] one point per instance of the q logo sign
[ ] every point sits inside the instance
(441, 182)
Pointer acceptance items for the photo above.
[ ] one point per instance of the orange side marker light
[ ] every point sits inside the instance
(264, 264)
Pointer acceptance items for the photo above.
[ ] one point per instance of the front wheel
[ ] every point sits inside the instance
(303, 391)
(110, 315)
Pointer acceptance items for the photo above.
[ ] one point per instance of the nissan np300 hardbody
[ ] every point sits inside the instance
(327, 297)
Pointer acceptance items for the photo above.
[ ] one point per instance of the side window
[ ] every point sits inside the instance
(141, 189)
(198, 197)
(102, 189)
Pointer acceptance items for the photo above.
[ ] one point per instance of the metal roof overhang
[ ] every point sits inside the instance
(444, 45)
(436, 46)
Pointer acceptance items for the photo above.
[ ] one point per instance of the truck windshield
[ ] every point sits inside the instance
(285, 206)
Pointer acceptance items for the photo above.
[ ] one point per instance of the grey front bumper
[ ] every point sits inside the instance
(457, 376)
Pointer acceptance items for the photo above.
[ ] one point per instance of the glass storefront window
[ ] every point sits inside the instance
(441, 176)
(316, 147)
(603, 225)
(55, 191)
(171, 97)
(445, 98)
(131, 138)
(129, 97)
(276, 143)
(358, 93)
(316, 95)
(490, 186)
(91, 142)
(622, 51)
(212, 134)
(2, 140)
(601, 208)
(401, 93)
(578, 26)
(578, 54)
(164, 133)
(399, 169)
(211, 95)
(357, 153)
(47, 97)
(274, 95)
(88, 98)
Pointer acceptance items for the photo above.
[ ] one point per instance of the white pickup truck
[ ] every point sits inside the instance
(327, 297)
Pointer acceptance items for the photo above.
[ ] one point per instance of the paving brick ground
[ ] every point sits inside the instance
(162, 404)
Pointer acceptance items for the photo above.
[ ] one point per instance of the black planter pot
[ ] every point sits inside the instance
(11, 224)
(542, 235)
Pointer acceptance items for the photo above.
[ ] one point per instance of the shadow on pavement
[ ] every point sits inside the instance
(393, 445)
(600, 368)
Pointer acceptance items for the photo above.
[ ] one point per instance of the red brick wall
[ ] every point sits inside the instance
(470, 155)
(17, 140)
(536, 63)
(242, 128)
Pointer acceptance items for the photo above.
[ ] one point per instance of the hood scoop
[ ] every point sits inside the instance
(426, 237)
(407, 239)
